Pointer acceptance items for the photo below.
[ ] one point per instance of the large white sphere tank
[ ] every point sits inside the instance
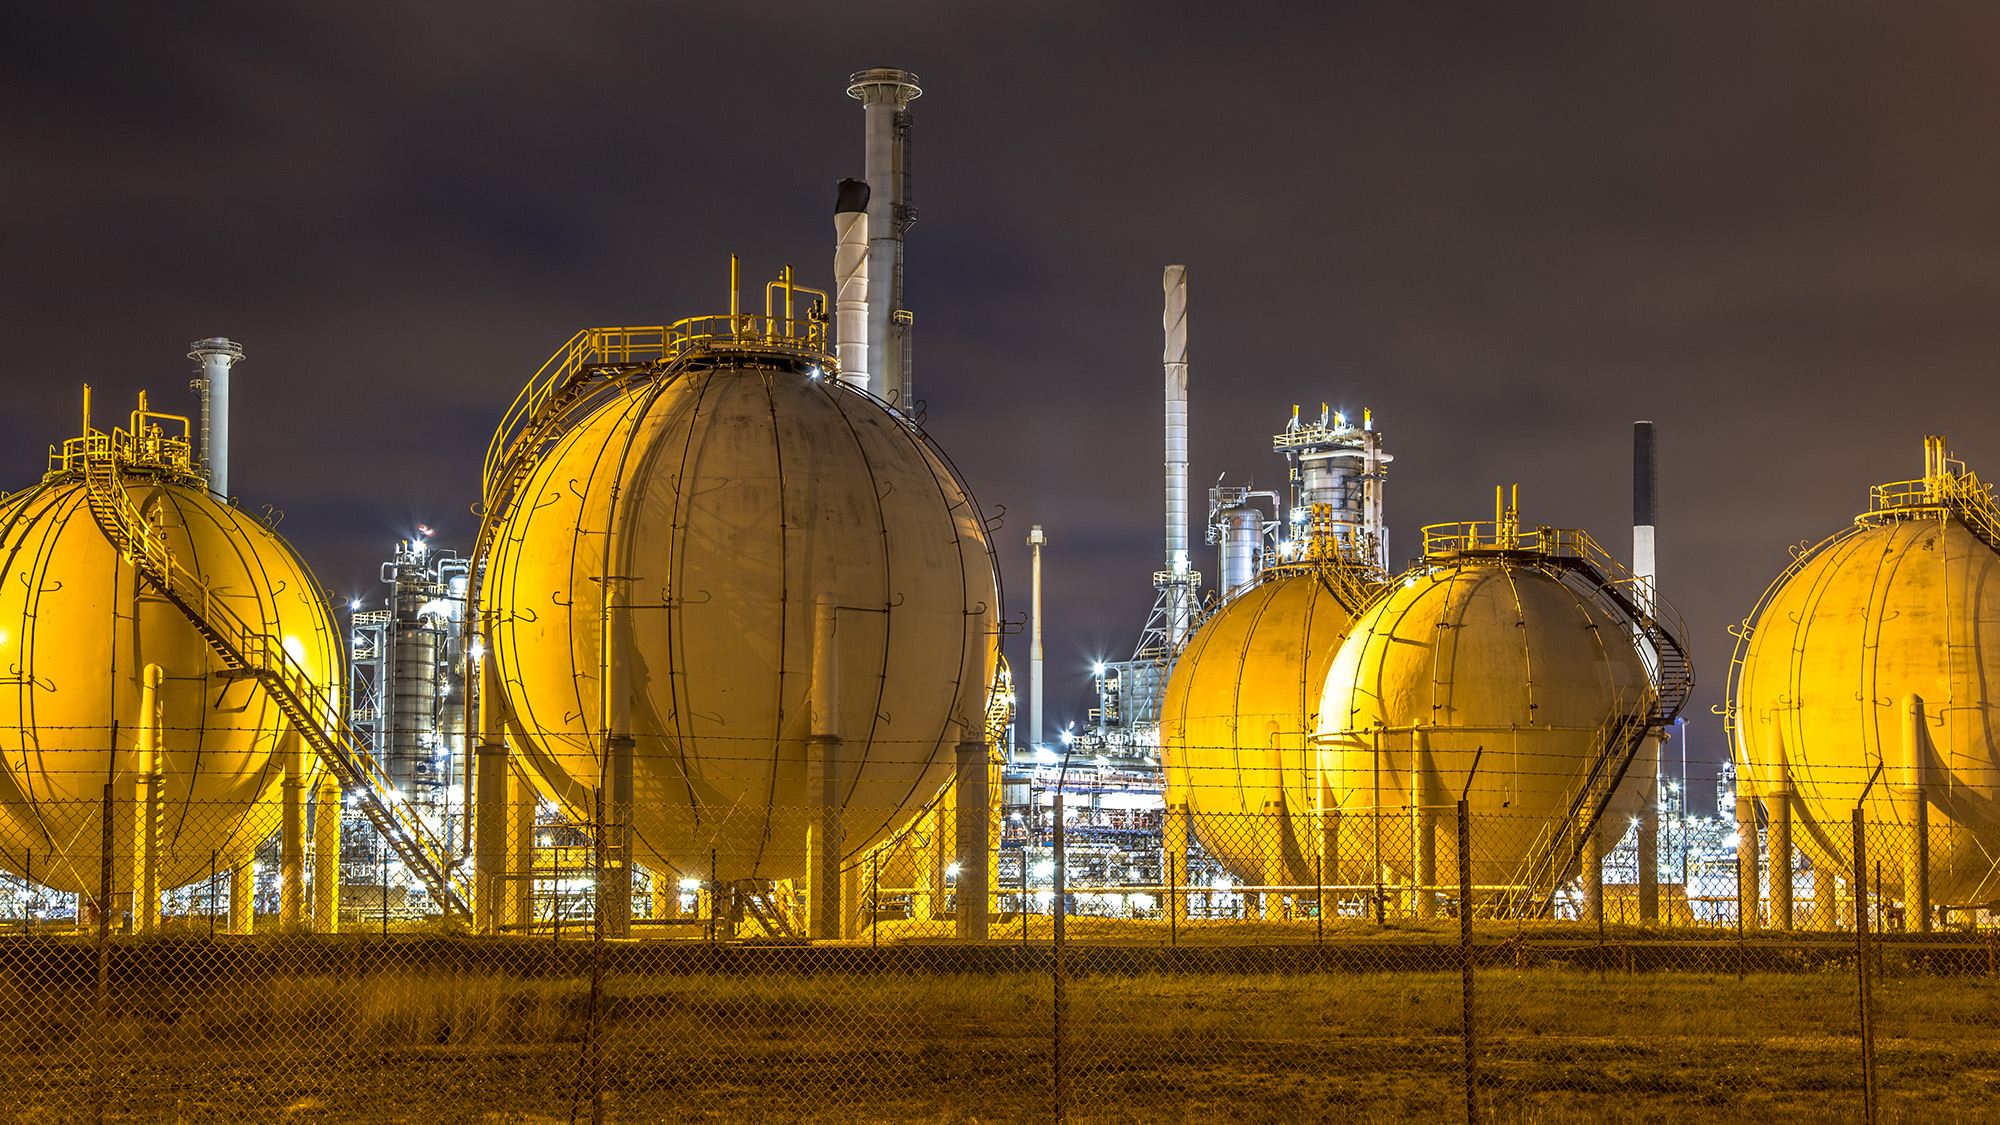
(78, 626)
(723, 498)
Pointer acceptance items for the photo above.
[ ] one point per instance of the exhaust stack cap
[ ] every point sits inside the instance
(853, 197)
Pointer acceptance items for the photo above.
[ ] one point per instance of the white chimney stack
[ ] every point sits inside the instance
(885, 94)
(216, 356)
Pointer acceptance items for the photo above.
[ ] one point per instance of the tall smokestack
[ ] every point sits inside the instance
(1037, 540)
(1174, 321)
(216, 356)
(885, 94)
(850, 280)
(1645, 497)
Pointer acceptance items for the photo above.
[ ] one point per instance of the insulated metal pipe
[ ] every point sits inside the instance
(1916, 815)
(146, 850)
(823, 890)
(885, 94)
(216, 356)
(850, 281)
(1037, 540)
(1174, 321)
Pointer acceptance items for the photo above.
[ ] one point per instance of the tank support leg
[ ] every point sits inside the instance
(666, 893)
(617, 840)
(973, 797)
(823, 847)
(243, 897)
(1917, 868)
(326, 857)
(489, 836)
(1748, 880)
(1826, 898)
(1779, 808)
(1424, 821)
(1173, 863)
(292, 837)
(1593, 876)
(522, 803)
(1274, 873)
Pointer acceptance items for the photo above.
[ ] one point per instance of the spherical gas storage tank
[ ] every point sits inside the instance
(79, 627)
(1242, 703)
(725, 488)
(1499, 648)
(1879, 649)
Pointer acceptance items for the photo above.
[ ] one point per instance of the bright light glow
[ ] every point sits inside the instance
(951, 871)
(1045, 755)
(1045, 897)
(296, 647)
(1143, 902)
(690, 884)
(478, 649)
(1735, 838)
(1068, 737)
(1097, 669)
(1045, 869)
(355, 604)
(437, 607)
(1222, 883)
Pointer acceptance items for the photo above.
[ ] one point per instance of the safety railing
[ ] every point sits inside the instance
(1958, 494)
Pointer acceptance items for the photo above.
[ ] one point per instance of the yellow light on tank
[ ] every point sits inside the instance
(296, 648)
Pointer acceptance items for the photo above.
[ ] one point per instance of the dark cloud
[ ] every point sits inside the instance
(1509, 229)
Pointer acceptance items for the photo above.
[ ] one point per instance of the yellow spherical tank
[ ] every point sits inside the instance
(1879, 649)
(1241, 704)
(79, 627)
(1505, 647)
(659, 576)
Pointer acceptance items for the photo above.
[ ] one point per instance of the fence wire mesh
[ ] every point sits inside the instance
(1131, 970)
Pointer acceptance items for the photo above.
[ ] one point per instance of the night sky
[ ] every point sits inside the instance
(1509, 229)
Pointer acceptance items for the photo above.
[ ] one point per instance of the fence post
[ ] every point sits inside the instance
(1059, 971)
(99, 1093)
(1865, 986)
(1467, 1027)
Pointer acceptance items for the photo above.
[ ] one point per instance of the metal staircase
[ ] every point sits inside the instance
(318, 718)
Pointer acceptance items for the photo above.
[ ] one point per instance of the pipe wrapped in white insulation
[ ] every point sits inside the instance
(850, 281)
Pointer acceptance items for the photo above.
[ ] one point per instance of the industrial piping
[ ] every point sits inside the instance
(1174, 321)
(885, 94)
(850, 281)
(216, 356)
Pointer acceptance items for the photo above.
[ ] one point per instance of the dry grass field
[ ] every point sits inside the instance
(397, 1036)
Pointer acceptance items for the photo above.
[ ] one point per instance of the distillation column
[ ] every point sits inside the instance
(1174, 321)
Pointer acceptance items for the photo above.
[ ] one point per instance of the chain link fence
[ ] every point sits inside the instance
(1138, 965)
